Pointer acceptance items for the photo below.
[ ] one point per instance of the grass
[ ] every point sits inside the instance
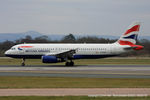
(52, 82)
(70, 98)
(122, 61)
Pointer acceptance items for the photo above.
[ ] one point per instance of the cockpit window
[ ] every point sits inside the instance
(12, 48)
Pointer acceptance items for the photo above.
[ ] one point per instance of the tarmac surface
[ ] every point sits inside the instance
(91, 71)
(92, 92)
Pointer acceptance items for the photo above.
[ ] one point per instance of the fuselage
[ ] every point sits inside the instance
(82, 50)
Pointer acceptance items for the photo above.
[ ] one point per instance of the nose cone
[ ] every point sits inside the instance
(7, 53)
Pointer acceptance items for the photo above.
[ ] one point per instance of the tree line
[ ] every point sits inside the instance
(72, 39)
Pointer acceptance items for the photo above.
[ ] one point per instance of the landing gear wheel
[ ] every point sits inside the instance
(23, 64)
(67, 63)
(70, 63)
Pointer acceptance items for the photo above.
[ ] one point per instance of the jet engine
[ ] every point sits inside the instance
(49, 59)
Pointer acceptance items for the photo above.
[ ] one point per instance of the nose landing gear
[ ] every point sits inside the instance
(23, 62)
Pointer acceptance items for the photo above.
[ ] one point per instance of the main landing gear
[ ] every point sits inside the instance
(23, 62)
(71, 63)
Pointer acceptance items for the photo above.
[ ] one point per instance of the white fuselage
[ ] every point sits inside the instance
(86, 50)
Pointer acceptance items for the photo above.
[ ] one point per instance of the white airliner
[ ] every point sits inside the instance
(60, 52)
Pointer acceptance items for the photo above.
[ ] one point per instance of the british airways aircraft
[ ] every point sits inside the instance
(59, 52)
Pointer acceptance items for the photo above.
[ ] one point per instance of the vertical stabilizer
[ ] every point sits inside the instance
(130, 35)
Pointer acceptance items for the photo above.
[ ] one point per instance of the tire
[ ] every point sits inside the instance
(23, 64)
(67, 64)
(71, 63)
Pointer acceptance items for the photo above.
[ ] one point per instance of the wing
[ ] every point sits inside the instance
(63, 54)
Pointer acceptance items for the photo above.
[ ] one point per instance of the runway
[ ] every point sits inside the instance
(91, 71)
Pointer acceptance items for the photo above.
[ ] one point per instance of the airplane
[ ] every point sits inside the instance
(61, 52)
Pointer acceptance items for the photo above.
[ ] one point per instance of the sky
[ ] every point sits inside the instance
(80, 17)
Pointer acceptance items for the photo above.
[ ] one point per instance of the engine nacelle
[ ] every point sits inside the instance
(49, 59)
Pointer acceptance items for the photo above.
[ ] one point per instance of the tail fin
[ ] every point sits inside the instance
(130, 36)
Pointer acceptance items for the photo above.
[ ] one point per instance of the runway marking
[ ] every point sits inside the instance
(120, 95)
